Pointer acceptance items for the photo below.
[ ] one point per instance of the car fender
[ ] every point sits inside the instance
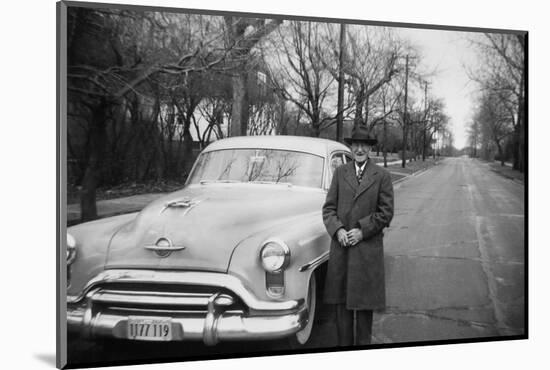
(307, 239)
(92, 241)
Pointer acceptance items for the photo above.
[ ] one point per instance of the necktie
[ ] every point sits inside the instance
(359, 175)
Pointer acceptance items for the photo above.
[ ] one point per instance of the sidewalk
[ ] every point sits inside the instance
(399, 174)
(134, 203)
(507, 171)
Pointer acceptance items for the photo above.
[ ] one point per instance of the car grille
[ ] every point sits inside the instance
(156, 298)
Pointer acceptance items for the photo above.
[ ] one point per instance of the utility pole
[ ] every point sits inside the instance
(405, 123)
(385, 150)
(436, 134)
(385, 136)
(340, 114)
(412, 144)
(475, 139)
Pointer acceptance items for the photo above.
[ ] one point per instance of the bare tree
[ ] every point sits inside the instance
(113, 53)
(437, 121)
(388, 111)
(242, 35)
(495, 119)
(372, 62)
(299, 72)
(474, 137)
(502, 72)
(263, 118)
(215, 110)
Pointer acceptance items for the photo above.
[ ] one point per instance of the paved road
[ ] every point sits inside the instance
(455, 256)
(454, 269)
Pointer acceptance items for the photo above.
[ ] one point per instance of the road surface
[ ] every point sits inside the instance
(455, 256)
(454, 269)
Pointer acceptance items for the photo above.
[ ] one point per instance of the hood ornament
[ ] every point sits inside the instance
(187, 203)
(164, 247)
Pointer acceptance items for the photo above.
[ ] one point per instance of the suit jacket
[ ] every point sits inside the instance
(355, 274)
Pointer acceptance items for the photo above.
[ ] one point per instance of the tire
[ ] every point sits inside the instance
(299, 339)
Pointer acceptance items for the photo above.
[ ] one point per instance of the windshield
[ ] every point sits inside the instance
(259, 165)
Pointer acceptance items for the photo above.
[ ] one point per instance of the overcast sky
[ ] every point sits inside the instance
(447, 52)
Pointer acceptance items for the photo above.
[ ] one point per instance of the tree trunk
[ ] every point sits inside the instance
(384, 138)
(413, 141)
(500, 154)
(435, 145)
(92, 174)
(404, 159)
(358, 109)
(187, 150)
(341, 83)
(424, 145)
(239, 111)
(366, 120)
(404, 151)
(169, 165)
(515, 148)
(315, 126)
(359, 98)
(282, 128)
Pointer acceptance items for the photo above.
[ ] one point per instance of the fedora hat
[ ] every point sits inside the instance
(361, 133)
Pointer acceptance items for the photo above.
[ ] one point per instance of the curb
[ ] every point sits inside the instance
(508, 177)
(399, 181)
(488, 164)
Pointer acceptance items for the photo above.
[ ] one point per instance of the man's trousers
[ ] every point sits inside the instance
(354, 326)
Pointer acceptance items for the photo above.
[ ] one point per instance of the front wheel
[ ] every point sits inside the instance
(299, 339)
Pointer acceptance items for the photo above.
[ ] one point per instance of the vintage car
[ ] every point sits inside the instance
(237, 254)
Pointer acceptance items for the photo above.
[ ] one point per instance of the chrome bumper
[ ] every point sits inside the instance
(213, 324)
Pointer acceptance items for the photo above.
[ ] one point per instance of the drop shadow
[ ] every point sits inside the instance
(47, 358)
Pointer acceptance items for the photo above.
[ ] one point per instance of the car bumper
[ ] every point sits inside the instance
(102, 313)
(224, 327)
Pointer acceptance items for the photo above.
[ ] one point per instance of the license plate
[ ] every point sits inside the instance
(145, 328)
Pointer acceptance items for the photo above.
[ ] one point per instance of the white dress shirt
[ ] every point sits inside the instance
(362, 168)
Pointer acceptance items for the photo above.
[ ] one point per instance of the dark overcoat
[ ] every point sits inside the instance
(355, 274)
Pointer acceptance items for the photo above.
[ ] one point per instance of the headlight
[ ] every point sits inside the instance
(71, 249)
(274, 255)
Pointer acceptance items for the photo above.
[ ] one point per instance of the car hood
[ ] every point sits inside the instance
(209, 221)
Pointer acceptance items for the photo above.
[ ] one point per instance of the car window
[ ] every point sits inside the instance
(337, 159)
(259, 165)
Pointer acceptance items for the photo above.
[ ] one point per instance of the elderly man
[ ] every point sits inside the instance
(359, 205)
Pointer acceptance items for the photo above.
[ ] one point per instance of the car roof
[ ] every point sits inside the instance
(304, 144)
